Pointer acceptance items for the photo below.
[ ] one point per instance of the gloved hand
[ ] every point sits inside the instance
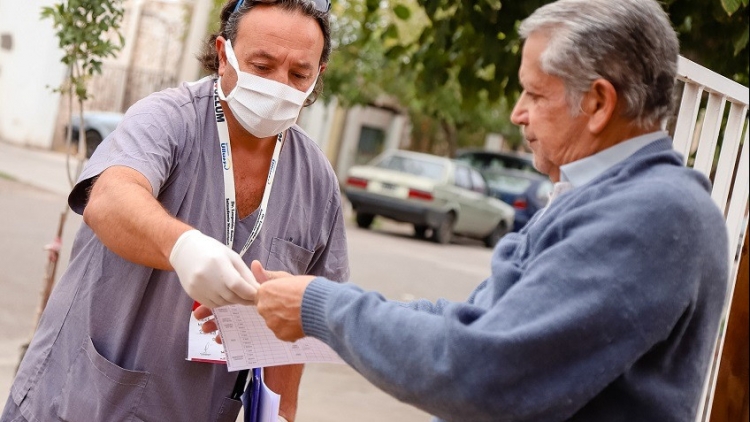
(210, 272)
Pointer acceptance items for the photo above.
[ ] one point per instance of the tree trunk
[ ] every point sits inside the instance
(451, 135)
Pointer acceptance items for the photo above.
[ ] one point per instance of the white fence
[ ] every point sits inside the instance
(703, 119)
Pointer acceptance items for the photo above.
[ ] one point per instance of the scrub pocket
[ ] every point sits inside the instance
(97, 390)
(286, 256)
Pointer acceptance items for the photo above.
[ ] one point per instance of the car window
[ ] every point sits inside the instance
(463, 179)
(493, 161)
(470, 160)
(477, 182)
(507, 183)
(417, 167)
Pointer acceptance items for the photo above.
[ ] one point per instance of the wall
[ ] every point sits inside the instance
(149, 61)
(317, 121)
(337, 130)
(357, 117)
(732, 399)
(28, 108)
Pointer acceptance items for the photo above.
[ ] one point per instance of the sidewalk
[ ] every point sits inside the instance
(46, 169)
(36, 167)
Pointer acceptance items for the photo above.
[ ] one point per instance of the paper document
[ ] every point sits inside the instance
(249, 343)
(268, 410)
(201, 346)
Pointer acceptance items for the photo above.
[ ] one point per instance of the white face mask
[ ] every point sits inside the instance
(262, 106)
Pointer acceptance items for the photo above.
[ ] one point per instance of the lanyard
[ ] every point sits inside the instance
(230, 200)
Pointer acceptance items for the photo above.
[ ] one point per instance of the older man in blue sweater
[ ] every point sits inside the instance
(605, 306)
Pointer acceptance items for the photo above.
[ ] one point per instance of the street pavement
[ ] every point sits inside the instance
(42, 169)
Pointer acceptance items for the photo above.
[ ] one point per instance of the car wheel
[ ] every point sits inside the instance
(93, 139)
(444, 232)
(420, 231)
(364, 221)
(497, 233)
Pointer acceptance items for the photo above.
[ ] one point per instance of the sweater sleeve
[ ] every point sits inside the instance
(599, 288)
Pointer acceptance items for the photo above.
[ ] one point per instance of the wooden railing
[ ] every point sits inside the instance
(714, 140)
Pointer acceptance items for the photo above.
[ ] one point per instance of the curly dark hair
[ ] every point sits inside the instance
(230, 25)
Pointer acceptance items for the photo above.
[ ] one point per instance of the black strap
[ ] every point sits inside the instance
(239, 385)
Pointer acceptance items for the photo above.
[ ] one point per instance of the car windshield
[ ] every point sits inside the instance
(496, 161)
(417, 167)
(507, 183)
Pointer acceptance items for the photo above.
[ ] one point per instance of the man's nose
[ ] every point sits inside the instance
(519, 116)
(280, 76)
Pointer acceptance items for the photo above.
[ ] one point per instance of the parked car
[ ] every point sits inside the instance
(433, 193)
(490, 160)
(527, 192)
(98, 125)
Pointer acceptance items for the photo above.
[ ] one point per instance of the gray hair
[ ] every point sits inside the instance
(629, 43)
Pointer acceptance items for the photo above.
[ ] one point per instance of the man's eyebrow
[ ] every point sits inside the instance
(303, 65)
(262, 54)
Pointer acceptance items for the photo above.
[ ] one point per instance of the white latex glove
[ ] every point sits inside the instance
(210, 272)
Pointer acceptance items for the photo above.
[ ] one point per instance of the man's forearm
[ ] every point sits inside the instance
(129, 220)
(284, 380)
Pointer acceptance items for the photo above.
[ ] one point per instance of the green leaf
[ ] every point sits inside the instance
(741, 42)
(372, 5)
(395, 52)
(80, 27)
(402, 12)
(731, 6)
(391, 32)
(495, 4)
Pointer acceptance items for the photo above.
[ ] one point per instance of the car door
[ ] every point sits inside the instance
(487, 207)
(473, 214)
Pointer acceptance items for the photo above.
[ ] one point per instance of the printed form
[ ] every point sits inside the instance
(249, 343)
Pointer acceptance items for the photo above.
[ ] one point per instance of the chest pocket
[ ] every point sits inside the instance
(286, 256)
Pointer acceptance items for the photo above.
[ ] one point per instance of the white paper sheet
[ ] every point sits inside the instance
(201, 346)
(268, 411)
(249, 343)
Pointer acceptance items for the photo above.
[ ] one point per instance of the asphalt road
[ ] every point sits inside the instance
(386, 259)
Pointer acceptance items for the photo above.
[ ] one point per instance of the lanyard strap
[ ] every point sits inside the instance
(230, 199)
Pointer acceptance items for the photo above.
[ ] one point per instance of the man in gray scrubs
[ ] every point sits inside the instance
(189, 171)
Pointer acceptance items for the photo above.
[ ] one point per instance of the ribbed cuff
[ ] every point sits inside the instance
(314, 307)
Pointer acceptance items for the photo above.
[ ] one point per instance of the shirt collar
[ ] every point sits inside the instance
(582, 171)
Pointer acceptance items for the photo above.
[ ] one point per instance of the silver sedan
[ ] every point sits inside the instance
(435, 194)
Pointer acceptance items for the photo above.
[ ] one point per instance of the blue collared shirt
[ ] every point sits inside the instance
(582, 171)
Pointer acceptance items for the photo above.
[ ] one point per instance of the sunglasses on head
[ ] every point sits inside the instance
(320, 5)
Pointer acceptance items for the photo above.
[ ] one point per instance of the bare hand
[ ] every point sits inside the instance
(208, 326)
(262, 275)
(280, 304)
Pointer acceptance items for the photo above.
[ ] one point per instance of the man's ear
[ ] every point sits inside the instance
(221, 54)
(599, 103)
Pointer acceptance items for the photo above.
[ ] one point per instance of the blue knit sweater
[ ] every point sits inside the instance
(604, 308)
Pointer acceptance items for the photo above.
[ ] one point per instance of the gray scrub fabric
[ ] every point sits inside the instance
(112, 343)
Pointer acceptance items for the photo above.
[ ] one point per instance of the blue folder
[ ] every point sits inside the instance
(251, 396)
